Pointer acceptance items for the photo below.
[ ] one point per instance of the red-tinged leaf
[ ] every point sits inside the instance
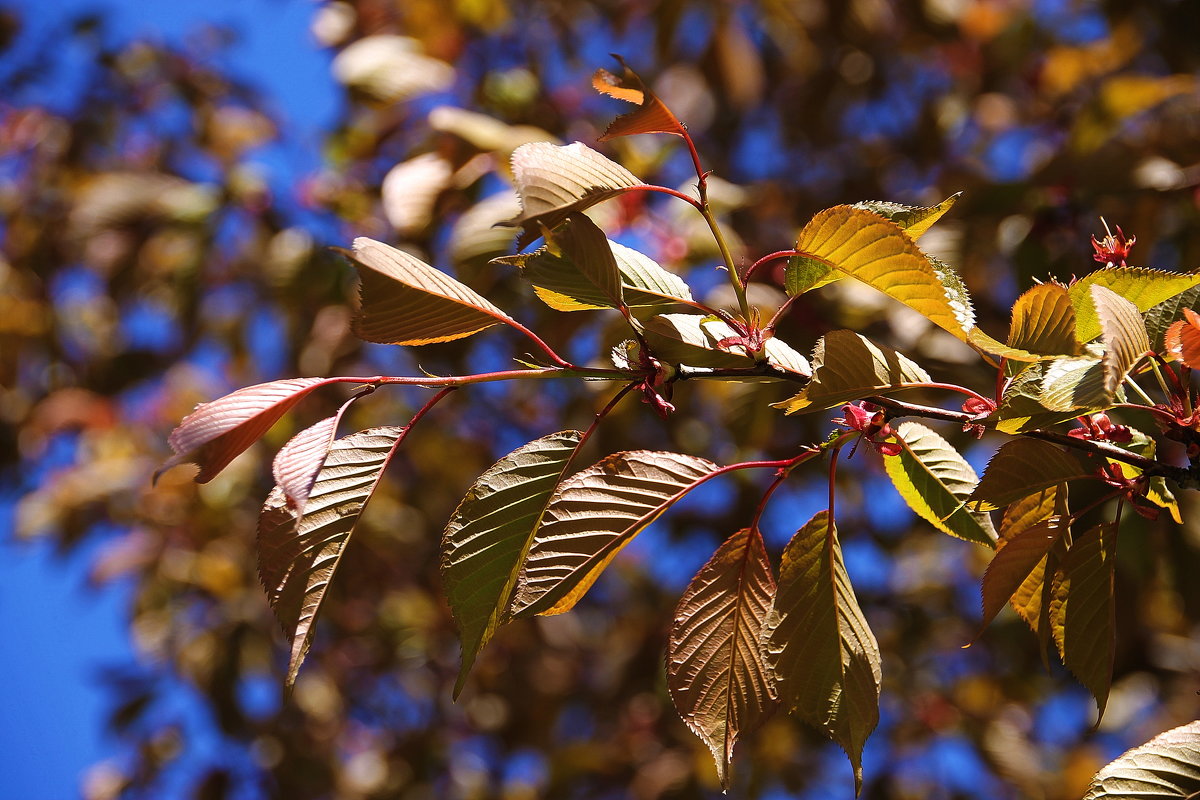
(715, 671)
(594, 514)
(1022, 467)
(297, 463)
(217, 432)
(1013, 562)
(1182, 339)
(822, 654)
(485, 542)
(298, 555)
(1166, 767)
(651, 116)
(406, 301)
(1082, 610)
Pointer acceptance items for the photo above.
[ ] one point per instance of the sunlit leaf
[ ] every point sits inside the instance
(935, 481)
(485, 542)
(863, 245)
(594, 514)
(553, 181)
(1043, 321)
(1077, 385)
(297, 463)
(1021, 516)
(1167, 766)
(1124, 335)
(390, 68)
(824, 658)
(411, 188)
(1182, 339)
(694, 339)
(651, 116)
(562, 282)
(913, 220)
(1143, 287)
(1022, 467)
(1082, 610)
(1015, 559)
(406, 301)
(715, 671)
(847, 366)
(217, 432)
(297, 556)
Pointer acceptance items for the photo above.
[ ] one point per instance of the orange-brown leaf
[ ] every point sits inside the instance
(1013, 562)
(651, 116)
(1182, 339)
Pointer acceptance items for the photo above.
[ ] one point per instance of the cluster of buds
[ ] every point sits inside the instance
(1134, 490)
(1099, 428)
(656, 386)
(869, 420)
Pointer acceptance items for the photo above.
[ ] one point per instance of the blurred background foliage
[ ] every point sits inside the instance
(160, 248)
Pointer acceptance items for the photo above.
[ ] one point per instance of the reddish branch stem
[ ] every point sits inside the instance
(750, 270)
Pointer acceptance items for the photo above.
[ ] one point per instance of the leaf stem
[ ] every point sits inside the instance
(547, 349)
(1132, 384)
(600, 415)
(489, 377)
(750, 270)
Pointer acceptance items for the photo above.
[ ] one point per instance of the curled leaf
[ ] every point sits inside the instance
(298, 462)
(651, 116)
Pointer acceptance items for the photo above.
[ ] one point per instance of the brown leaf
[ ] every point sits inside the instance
(651, 116)
(1022, 467)
(715, 671)
(1082, 611)
(1013, 562)
(297, 463)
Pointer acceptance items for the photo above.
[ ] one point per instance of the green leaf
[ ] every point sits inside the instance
(561, 283)
(1043, 322)
(553, 181)
(913, 220)
(406, 301)
(1167, 766)
(1021, 407)
(935, 481)
(1076, 385)
(847, 366)
(1015, 559)
(485, 542)
(1143, 287)
(297, 556)
(1022, 467)
(1124, 335)
(824, 658)
(692, 339)
(876, 251)
(594, 514)
(1082, 611)
(715, 669)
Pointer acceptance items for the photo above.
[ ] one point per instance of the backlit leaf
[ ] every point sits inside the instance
(651, 116)
(824, 658)
(297, 463)
(864, 245)
(1182, 339)
(1018, 517)
(1043, 321)
(594, 514)
(1082, 610)
(1077, 385)
(846, 367)
(553, 181)
(913, 220)
(715, 671)
(935, 481)
(1124, 335)
(693, 339)
(1015, 559)
(217, 432)
(1022, 467)
(298, 555)
(1143, 287)
(406, 301)
(485, 542)
(1167, 766)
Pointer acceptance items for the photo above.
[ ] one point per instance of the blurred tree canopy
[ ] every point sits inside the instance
(149, 263)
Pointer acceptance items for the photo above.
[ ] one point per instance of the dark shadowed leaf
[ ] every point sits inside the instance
(1043, 322)
(1022, 467)
(693, 339)
(217, 432)
(1124, 335)
(876, 251)
(1163, 315)
(484, 544)
(1014, 561)
(824, 658)
(1082, 611)
(936, 481)
(297, 556)
(595, 513)
(715, 671)
(406, 301)
(1143, 287)
(847, 366)
(553, 181)
(651, 116)
(297, 463)
(1167, 766)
